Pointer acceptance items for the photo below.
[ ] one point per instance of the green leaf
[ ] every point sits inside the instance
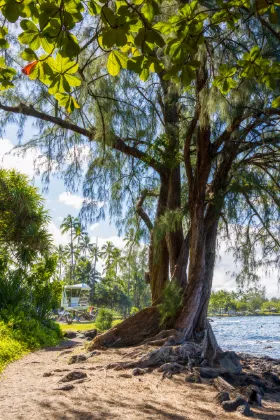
(108, 38)
(144, 75)
(47, 44)
(4, 44)
(164, 27)
(70, 46)
(148, 11)
(94, 8)
(11, 11)
(108, 16)
(116, 61)
(121, 38)
(276, 103)
(29, 26)
(113, 65)
(6, 84)
(154, 37)
(29, 55)
(273, 15)
(67, 102)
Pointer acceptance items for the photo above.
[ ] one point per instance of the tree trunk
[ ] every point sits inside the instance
(175, 238)
(158, 251)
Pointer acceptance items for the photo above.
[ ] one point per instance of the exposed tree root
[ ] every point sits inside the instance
(132, 331)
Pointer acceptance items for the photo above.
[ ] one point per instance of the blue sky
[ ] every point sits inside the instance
(60, 203)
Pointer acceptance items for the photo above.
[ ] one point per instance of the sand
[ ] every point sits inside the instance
(25, 394)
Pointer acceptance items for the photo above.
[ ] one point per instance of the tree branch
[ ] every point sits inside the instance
(117, 144)
(141, 212)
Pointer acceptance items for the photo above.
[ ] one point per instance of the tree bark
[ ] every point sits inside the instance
(158, 251)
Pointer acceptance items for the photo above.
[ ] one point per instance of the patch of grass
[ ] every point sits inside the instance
(116, 322)
(84, 326)
(77, 326)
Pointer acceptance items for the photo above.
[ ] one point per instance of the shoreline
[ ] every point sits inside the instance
(239, 316)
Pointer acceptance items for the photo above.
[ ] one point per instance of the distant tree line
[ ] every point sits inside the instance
(252, 300)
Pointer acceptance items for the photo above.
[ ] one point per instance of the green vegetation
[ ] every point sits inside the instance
(249, 302)
(121, 286)
(104, 319)
(28, 288)
(19, 336)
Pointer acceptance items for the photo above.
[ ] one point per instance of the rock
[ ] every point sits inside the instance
(72, 376)
(252, 393)
(77, 358)
(270, 376)
(232, 405)
(66, 387)
(138, 371)
(90, 334)
(47, 374)
(193, 379)
(221, 397)
(245, 410)
(125, 375)
(81, 335)
(229, 361)
(210, 373)
(70, 334)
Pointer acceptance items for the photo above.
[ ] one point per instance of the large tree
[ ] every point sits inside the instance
(210, 150)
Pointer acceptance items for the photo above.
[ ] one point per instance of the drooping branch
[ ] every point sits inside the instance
(257, 214)
(117, 143)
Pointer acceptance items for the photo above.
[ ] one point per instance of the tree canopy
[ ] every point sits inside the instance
(140, 35)
(23, 219)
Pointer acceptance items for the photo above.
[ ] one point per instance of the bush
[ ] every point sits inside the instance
(104, 319)
(18, 336)
(10, 348)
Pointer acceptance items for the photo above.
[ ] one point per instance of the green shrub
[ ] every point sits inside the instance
(171, 301)
(134, 310)
(104, 319)
(18, 336)
(10, 348)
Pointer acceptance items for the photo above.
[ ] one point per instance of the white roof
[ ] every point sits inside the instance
(82, 286)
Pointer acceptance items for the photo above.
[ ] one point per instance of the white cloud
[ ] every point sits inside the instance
(72, 200)
(12, 161)
(75, 200)
(58, 237)
(94, 226)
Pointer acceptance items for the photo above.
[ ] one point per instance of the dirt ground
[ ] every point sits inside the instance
(25, 394)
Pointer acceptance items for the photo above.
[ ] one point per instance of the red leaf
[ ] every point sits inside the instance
(29, 68)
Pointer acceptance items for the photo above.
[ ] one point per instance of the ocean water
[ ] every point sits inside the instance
(256, 335)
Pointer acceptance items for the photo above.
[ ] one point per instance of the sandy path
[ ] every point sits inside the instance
(26, 395)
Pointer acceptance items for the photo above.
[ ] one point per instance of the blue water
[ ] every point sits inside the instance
(256, 335)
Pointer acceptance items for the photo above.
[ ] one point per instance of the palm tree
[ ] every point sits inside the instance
(62, 259)
(112, 256)
(94, 254)
(73, 225)
(86, 246)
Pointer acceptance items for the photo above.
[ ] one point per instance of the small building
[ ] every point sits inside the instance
(75, 297)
